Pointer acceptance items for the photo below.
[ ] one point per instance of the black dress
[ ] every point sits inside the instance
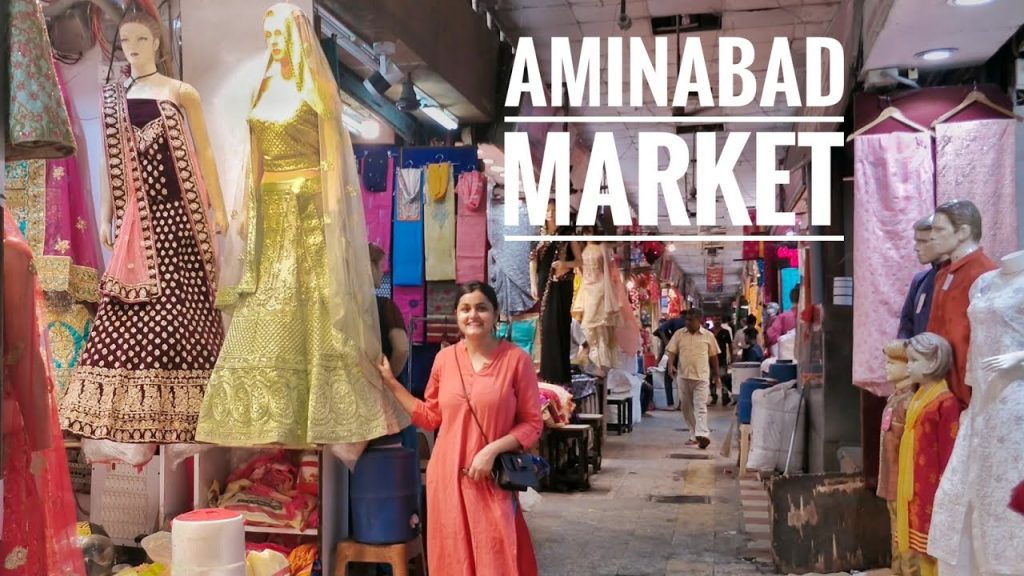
(555, 313)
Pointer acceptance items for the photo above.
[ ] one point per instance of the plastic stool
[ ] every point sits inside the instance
(397, 556)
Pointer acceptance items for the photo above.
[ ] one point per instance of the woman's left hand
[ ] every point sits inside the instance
(482, 465)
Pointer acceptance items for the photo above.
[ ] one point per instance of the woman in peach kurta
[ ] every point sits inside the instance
(475, 528)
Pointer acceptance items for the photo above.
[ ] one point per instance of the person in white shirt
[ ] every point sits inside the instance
(693, 357)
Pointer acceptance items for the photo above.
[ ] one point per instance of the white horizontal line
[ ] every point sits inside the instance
(669, 238)
(674, 119)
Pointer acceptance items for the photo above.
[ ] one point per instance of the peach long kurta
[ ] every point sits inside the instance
(475, 528)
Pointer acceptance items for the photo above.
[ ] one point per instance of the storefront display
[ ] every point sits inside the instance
(299, 360)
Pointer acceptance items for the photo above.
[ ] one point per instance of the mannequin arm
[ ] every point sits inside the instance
(533, 279)
(106, 209)
(193, 107)
(1003, 362)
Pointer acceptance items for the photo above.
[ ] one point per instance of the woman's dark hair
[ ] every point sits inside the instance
(481, 287)
(750, 333)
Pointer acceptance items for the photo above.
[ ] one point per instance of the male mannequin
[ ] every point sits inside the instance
(918, 305)
(956, 234)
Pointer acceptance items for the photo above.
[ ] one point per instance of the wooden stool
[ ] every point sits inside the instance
(397, 556)
(596, 423)
(624, 413)
(569, 451)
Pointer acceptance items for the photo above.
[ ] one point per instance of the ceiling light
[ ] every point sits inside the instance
(370, 128)
(671, 248)
(488, 161)
(936, 54)
(446, 119)
(968, 2)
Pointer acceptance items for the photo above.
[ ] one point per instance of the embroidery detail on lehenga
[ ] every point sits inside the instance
(187, 179)
(68, 330)
(59, 274)
(16, 559)
(25, 188)
(122, 156)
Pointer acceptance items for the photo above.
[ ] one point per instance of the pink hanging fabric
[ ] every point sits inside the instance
(893, 188)
(410, 300)
(377, 208)
(976, 161)
(471, 228)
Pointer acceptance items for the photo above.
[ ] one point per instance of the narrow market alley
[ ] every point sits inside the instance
(657, 508)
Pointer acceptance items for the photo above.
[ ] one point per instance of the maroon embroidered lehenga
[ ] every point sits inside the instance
(38, 534)
(157, 334)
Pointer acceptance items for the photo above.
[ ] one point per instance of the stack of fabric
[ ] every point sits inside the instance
(271, 490)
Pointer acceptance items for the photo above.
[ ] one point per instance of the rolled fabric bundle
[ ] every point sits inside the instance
(208, 541)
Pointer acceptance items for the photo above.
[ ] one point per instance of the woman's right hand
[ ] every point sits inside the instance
(384, 367)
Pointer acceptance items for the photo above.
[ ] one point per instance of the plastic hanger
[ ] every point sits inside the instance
(976, 97)
(893, 113)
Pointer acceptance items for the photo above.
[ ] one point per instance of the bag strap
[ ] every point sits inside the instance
(465, 394)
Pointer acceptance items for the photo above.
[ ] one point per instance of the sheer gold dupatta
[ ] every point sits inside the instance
(351, 297)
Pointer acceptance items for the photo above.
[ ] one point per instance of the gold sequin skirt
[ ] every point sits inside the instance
(284, 376)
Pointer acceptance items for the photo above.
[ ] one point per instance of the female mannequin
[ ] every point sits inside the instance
(299, 361)
(974, 530)
(552, 272)
(894, 420)
(157, 334)
(597, 307)
(932, 421)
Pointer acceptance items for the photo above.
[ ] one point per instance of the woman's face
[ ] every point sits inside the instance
(475, 315)
(139, 44)
(274, 33)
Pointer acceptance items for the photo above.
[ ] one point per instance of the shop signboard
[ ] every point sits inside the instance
(715, 277)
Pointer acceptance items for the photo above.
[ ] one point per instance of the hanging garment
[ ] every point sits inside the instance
(508, 263)
(38, 524)
(933, 417)
(476, 528)
(375, 170)
(974, 532)
(410, 300)
(146, 364)
(555, 310)
(52, 206)
(37, 120)
(471, 228)
(976, 161)
(408, 249)
(442, 298)
(410, 195)
(891, 173)
(597, 306)
(377, 209)
(439, 223)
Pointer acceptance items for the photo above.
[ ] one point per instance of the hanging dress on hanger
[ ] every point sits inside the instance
(555, 311)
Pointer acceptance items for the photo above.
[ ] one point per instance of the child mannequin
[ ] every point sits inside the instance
(933, 419)
(893, 422)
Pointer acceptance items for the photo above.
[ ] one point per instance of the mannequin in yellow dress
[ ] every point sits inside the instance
(298, 365)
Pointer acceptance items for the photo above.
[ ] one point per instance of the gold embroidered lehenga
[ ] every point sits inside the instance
(298, 365)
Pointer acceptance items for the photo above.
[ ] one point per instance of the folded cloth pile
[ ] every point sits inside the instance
(267, 492)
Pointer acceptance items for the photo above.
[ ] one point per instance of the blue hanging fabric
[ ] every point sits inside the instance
(408, 250)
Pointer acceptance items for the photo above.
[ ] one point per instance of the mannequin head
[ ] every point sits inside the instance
(929, 357)
(376, 261)
(956, 229)
(549, 221)
(142, 42)
(923, 245)
(896, 370)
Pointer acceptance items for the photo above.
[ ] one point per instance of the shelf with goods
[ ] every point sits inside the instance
(215, 464)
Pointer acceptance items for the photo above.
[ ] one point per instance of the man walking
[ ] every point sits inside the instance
(693, 356)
